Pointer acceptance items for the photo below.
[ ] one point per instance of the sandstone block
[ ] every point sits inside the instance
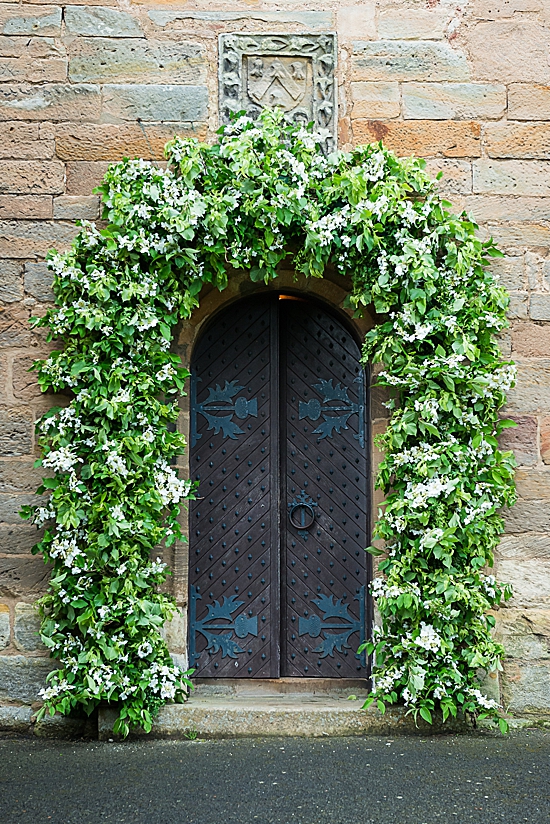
(423, 138)
(15, 432)
(74, 207)
(15, 719)
(522, 440)
(174, 20)
(528, 516)
(357, 22)
(405, 60)
(113, 142)
(33, 207)
(14, 326)
(11, 282)
(81, 103)
(457, 176)
(413, 24)
(32, 177)
(136, 61)
(171, 103)
(38, 281)
(26, 628)
(508, 51)
(518, 140)
(530, 580)
(4, 626)
(175, 632)
(502, 208)
(528, 101)
(533, 484)
(33, 239)
(539, 307)
(84, 176)
(517, 177)
(530, 340)
(512, 237)
(23, 577)
(25, 382)
(18, 540)
(45, 20)
(101, 21)
(32, 70)
(526, 687)
(525, 633)
(31, 47)
(545, 439)
(453, 101)
(19, 476)
(510, 270)
(22, 678)
(22, 141)
(487, 10)
(375, 100)
(532, 390)
(519, 305)
(10, 506)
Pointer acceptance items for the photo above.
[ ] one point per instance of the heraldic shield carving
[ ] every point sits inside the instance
(292, 72)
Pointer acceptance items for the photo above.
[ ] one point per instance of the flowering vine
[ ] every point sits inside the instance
(243, 203)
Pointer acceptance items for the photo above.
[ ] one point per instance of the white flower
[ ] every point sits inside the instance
(428, 638)
(144, 650)
(61, 460)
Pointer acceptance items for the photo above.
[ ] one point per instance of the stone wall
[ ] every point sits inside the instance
(464, 84)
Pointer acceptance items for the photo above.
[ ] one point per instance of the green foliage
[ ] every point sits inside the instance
(244, 203)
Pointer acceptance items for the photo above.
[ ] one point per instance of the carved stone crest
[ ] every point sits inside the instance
(293, 72)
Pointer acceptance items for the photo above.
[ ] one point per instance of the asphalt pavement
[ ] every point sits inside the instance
(469, 779)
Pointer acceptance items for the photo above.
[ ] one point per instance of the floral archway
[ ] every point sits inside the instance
(265, 189)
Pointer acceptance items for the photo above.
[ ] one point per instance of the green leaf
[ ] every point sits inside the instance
(426, 714)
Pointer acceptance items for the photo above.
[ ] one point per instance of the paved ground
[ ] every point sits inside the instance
(482, 779)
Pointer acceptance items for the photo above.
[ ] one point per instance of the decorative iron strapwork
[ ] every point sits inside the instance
(313, 409)
(242, 625)
(221, 400)
(314, 625)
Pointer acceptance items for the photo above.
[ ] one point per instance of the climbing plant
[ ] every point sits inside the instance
(262, 190)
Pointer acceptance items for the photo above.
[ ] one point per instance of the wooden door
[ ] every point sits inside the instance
(278, 571)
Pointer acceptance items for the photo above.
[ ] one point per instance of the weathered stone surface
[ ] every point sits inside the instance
(175, 632)
(531, 340)
(11, 504)
(528, 101)
(73, 207)
(4, 626)
(510, 270)
(18, 540)
(113, 142)
(422, 137)
(45, 20)
(15, 432)
(81, 103)
(402, 60)
(23, 577)
(33, 239)
(38, 281)
(503, 208)
(170, 103)
(32, 177)
(169, 19)
(519, 306)
(545, 439)
(24, 382)
(413, 24)
(518, 140)
(522, 440)
(508, 51)
(97, 21)
(11, 281)
(532, 390)
(511, 237)
(22, 141)
(29, 207)
(526, 687)
(375, 100)
(136, 61)
(31, 47)
(525, 633)
(523, 559)
(22, 678)
(533, 484)
(84, 176)
(32, 70)
(453, 101)
(20, 476)
(14, 326)
(26, 628)
(357, 22)
(539, 307)
(487, 10)
(15, 719)
(457, 176)
(517, 177)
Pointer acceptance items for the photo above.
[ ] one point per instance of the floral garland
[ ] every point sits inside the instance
(242, 203)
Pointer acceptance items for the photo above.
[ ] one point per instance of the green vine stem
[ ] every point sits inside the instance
(242, 203)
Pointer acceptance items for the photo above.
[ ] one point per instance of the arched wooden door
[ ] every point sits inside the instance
(278, 573)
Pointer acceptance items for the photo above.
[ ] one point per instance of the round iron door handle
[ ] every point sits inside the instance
(302, 515)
